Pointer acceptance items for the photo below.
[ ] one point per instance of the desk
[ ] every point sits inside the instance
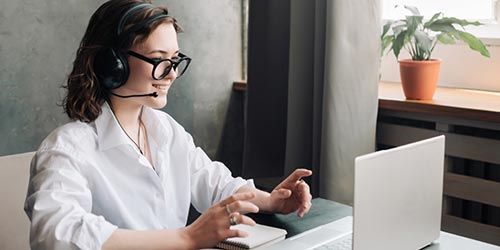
(325, 211)
(322, 212)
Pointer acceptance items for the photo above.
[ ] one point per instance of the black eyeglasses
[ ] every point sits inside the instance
(161, 67)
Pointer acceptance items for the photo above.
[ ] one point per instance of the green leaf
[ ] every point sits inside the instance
(396, 29)
(455, 35)
(453, 20)
(413, 10)
(442, 27)
(423, 46)
(423, 41)
(445, 38)
(386, 41)
(413, 22)
(445, 24)
(386, 27)
(434, 17)
(398, 43)
(474, 43)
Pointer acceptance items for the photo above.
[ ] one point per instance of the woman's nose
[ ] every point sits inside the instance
(172, 75)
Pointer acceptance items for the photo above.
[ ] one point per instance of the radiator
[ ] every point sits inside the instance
(471, 193)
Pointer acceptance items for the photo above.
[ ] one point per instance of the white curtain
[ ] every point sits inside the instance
(350, 93)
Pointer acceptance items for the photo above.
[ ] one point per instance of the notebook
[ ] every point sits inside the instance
(258, 236)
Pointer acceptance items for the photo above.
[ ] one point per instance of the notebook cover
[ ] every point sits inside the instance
(258, 235)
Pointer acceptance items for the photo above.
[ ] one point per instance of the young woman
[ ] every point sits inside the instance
(122, 175)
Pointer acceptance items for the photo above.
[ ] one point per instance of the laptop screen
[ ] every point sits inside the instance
(398, 196)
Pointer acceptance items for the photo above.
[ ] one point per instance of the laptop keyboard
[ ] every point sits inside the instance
(344, 243)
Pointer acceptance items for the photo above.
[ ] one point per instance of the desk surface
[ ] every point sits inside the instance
(325, 211)
(322, 212)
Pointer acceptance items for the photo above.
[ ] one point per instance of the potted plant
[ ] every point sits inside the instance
(419, 75)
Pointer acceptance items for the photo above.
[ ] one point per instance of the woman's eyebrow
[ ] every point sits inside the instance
(162, 52)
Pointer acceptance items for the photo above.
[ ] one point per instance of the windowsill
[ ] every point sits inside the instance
(240, 85)
(452, 102)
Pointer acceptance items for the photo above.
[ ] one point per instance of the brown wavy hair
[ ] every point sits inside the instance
(85, 95)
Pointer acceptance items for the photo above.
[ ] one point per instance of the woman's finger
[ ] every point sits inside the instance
(237, 197)
(282, 193)
(298, 174)
(241, 206)
(304, 198)
(303, 191)
(305, 202)
(236, 233)
(241, 219)
(246, 220)
(304, 209)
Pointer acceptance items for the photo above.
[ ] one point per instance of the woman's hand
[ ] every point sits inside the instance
(292, 194)
(213, 225)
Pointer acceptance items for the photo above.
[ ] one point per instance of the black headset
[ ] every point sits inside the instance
(111, 64)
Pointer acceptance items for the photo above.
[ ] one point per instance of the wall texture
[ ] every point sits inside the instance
(38, 41)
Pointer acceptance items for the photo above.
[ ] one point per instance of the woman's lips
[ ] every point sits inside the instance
(160, 86)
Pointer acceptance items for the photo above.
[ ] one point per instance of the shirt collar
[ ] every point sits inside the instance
(109, 132)
(155, 127)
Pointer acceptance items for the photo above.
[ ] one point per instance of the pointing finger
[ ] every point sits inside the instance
(298, 174)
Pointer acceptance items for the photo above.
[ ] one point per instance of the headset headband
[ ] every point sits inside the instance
(129, 13)
(138, 26)
(142, 25)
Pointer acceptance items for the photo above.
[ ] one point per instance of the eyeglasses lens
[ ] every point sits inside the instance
(181, 67)
(164, 68)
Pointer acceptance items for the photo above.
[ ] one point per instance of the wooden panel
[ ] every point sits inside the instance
(469, 147)
(240, 85)
(474, 148)
(474, 189)
(452, 102)
(438, 119)
(395, 135)
(471, 229)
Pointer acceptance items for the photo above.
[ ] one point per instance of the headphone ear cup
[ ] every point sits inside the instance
(111, 68)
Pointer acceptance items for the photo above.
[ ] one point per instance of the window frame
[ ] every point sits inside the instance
(489, 33)
(460, 65)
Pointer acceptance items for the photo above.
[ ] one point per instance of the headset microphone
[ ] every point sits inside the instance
(154, 94)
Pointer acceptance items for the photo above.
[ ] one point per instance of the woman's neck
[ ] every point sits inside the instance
(127, 113)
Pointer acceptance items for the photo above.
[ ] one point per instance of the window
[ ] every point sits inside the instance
(460, 67)
(472, 9)
(485, 11)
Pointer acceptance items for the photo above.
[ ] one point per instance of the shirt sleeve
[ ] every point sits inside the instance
(58, 204)
(211, 181)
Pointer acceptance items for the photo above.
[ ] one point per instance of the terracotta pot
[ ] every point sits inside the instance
(419, 78)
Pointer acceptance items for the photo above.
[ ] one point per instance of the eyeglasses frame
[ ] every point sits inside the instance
(156, 62)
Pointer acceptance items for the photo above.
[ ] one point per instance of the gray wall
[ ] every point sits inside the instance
(38, 41)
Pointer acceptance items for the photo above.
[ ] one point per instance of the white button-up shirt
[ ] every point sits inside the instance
(87, 179)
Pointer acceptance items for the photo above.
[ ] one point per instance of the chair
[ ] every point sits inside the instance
(14, 226)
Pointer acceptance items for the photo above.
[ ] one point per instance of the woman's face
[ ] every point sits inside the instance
(161, 44)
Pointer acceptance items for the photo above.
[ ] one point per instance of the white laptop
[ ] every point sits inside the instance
(397, 203)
